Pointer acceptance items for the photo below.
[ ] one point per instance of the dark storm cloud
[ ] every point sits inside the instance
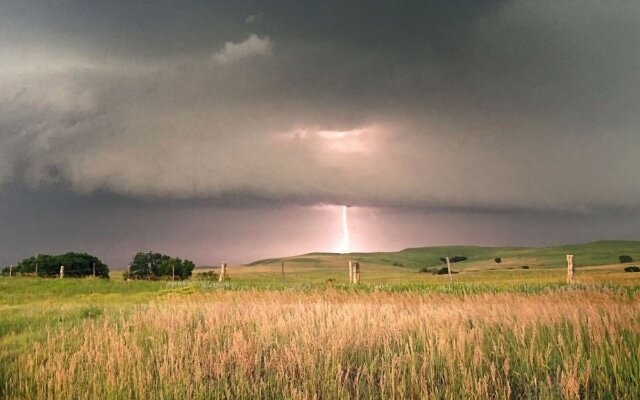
(460, 104)
(116, 227)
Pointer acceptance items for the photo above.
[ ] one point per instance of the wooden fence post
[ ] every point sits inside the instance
(61, 271)
(223, 272)
(282, 266)
(350, 271)
(571, 269)
(10, 270)
(94, 270)
(36, 270)
(449, 269)
(356, 272)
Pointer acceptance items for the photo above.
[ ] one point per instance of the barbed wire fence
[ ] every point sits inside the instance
(353, 269)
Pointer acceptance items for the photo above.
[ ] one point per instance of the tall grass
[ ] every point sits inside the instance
(330, 344)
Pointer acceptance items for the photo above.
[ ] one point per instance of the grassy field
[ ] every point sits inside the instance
(596, 262)
(497, 331)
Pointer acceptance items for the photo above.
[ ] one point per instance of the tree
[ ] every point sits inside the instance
(155, 265)
(75, 265)
(625, 259)
(497, 260)
(184, 269)
(140, 267)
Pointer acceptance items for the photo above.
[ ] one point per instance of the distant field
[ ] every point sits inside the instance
(596, 262)
(497, 331)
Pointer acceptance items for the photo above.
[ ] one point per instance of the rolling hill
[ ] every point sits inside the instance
(587, 254)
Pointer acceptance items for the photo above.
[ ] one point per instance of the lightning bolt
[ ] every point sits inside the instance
(345, 244)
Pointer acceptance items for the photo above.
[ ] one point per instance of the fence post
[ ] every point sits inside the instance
(356, 272)
(10, 270)
(36, 270)
(449, 269)
(61, 271)
(94, 269)
(223, 272)
(571, 269)
(350, 271)
(282, 265)
(173, 271)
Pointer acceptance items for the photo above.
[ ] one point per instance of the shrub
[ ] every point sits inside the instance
(525, 267)
(453, 259)
(632, 268)
(497, 260)
(443, 271)
(625, 259)
(424, 270)
(207, 276)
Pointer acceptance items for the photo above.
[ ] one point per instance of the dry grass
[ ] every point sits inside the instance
(325, 345)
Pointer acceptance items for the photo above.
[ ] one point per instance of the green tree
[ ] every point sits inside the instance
(152, 265)
(75, 265)
(625, 259)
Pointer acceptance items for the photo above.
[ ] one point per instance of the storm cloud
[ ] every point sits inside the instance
(507, 104)
(448, 105)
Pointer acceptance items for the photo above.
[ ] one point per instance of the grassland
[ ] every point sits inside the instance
(597, 263)
(497, 331)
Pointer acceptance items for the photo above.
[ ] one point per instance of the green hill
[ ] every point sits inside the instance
(478, 257)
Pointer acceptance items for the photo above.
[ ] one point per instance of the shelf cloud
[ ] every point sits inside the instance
(502, 105)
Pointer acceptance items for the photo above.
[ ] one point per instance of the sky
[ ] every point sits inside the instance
(231, 131)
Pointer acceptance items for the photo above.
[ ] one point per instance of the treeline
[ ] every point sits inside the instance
(75, 265)
(143, 266)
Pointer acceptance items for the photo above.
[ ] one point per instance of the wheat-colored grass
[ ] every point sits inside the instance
(328, 345)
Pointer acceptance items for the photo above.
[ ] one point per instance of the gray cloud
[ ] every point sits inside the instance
(253, 18)
(499, 105)
(252, 46)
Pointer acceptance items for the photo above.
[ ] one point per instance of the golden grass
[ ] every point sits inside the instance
(329, 344)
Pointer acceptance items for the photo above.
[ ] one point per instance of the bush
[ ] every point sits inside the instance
(453, 259)
(424, 270)
(525, 267)
(497, 260)
(75, 265)
(625, 259)
(632, 268)
(443, 271)
(155, 265)
(207, 276)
